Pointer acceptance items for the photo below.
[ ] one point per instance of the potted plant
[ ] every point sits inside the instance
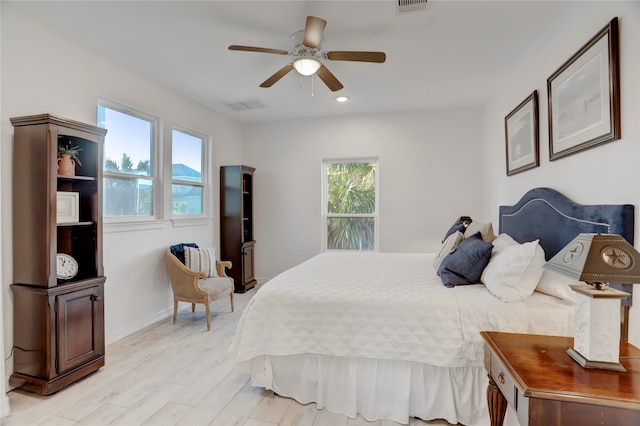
(67, 159)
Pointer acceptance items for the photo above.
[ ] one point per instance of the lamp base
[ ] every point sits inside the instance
(601, 365)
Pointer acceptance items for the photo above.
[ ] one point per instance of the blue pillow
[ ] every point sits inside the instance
(465, 265)
(458, 226)
(178, 250)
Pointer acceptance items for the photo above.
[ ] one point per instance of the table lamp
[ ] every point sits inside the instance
(597, 259)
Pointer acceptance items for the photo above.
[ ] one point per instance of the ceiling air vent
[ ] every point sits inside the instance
(405, 6)
(246, 105)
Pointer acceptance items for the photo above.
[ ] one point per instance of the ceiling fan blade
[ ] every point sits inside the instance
(258, 49)
(378, 57)
(329, 79)
(277, 76)
(313, 31)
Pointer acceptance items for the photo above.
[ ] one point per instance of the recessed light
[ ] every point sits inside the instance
(342, 99)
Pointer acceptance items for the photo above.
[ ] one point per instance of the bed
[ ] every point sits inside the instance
(378, 334)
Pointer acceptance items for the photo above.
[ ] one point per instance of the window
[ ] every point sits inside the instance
(350, 205)
(187, 183)
(129, 175)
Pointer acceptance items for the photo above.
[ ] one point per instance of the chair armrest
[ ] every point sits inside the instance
(221, 265)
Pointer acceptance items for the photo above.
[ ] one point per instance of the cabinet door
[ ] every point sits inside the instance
(247, 263)
(80, 327)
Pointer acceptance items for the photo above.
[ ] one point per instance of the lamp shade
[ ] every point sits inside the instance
(598, 258)
(306, 66)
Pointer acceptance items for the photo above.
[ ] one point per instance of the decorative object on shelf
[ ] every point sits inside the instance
(66, 266)
(584, 96)
(67, 159)
(67, 207)
(522, 136)
(597, 259)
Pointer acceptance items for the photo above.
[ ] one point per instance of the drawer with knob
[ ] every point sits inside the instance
(506, 383)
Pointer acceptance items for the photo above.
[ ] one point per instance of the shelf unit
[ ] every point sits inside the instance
(58, 324)
(236, 224)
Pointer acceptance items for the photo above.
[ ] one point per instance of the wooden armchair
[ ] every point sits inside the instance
(192, 286)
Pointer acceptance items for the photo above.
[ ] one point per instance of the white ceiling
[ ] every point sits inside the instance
(453, 53)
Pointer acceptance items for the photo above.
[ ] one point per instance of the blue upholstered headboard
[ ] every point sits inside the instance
(547, 215)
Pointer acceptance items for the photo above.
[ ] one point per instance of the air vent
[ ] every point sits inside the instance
(405, 6)
(246, 105)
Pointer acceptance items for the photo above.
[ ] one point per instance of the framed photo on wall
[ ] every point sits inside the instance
(522, 136)
(584, 96)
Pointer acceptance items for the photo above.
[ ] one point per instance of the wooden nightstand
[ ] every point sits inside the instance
(544, 386)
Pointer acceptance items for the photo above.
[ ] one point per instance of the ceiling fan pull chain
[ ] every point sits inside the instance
(312, 85)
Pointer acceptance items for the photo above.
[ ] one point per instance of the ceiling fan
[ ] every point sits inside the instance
(308, 55)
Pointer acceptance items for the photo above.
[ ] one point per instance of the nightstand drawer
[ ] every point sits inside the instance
(507, 385)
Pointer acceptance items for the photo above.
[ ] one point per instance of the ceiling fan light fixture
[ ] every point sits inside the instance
(306, 66)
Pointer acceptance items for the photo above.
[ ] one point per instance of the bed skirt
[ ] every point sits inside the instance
(377, 389)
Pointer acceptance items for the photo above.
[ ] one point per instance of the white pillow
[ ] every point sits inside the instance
(512, 275)
(448, 246)
(557, 285)
(501, 242)
(201, 260)
(485, 229)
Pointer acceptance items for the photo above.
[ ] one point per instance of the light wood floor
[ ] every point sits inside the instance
(174, 375)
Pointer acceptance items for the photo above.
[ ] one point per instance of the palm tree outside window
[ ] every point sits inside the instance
(350, 204)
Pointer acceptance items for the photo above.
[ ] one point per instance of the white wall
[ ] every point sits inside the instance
(44, 73)
(429, 175)
(605, 174)
(434, 165)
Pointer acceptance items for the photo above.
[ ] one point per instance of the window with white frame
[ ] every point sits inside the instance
(128, 169)
(350, 204)
(187, 172)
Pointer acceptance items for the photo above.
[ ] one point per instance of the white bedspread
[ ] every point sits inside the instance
(384, 306)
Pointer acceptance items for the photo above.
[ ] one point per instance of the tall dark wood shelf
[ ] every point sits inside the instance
(236, 224)
(58, 324)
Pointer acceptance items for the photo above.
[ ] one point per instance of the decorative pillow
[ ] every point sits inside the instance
(178, 250)
(448, 246)
(466, 263)
(456, 227)
(513, 273)
(501, 242)
(201, 260)
(557, 285)
(485, 229)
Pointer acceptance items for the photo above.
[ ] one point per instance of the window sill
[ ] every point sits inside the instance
(142, 225)
(150, 225)
(201, 221)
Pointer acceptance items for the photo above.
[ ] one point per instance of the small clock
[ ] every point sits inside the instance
(67, 266)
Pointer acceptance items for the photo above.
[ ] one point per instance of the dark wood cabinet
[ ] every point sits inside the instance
(236, 224)
(58, 324)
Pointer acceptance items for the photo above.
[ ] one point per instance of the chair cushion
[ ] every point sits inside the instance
(201, 260)
(178, 250)
(217, 287)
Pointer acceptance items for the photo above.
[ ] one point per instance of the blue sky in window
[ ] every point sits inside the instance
(187, 150)
(125, 134)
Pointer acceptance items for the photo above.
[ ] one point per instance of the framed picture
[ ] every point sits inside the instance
(522, 136)
(584, 96)
(67, 207)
